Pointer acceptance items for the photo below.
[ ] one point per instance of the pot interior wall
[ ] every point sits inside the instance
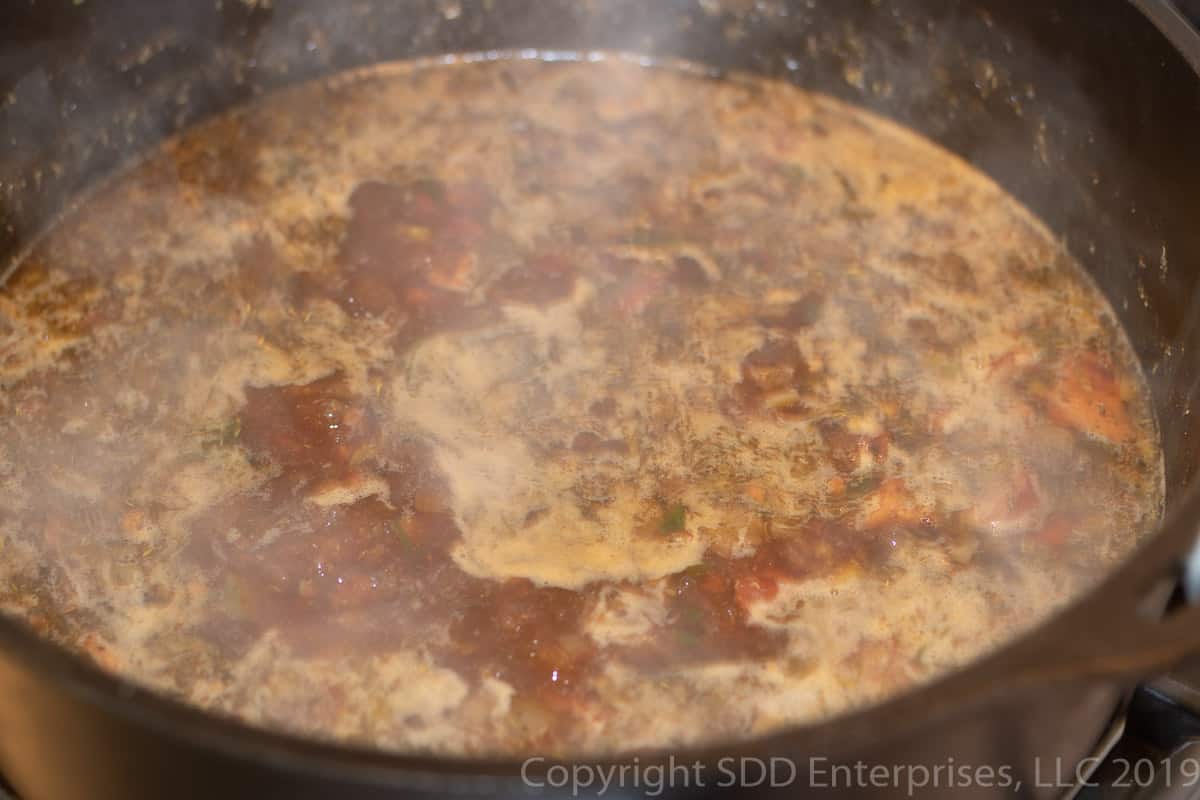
(1080, 108)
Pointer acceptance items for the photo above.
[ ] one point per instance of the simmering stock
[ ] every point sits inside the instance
(505, 406)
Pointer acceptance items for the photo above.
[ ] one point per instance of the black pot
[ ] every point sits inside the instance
(1086, 110)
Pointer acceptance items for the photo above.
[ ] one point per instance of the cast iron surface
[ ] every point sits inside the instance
(1084, 109)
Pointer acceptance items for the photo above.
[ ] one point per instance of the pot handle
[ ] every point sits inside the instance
(1123, 634)
(1172, 18)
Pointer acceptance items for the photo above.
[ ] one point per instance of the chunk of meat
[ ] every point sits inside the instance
(588, 443)
(708, 611)
(710, 605)
(1014, 504)
(541, 280)
(689, 273)
(530, 635)
(803, 313)
(1087, 397)
(412, 247)
(948, 269)
(775, 365)
(846, 449)
(894, 504)
(773, 377)
(348, 563)
(1056, 529)
(797, 550)
(1011, 361)
(310, 425)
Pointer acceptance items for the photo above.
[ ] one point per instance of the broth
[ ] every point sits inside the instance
(502, 406)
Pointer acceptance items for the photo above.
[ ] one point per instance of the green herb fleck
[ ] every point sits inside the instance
(689, 626)
(232, 597)
(863, 484)
(224, 435)
(691, 617)
(651, 237)
(404, 537)
(795, 173)
(674, 519)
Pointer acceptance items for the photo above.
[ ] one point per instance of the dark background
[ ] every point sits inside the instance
(1192, 9)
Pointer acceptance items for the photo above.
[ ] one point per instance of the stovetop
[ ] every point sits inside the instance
(1157, 753)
